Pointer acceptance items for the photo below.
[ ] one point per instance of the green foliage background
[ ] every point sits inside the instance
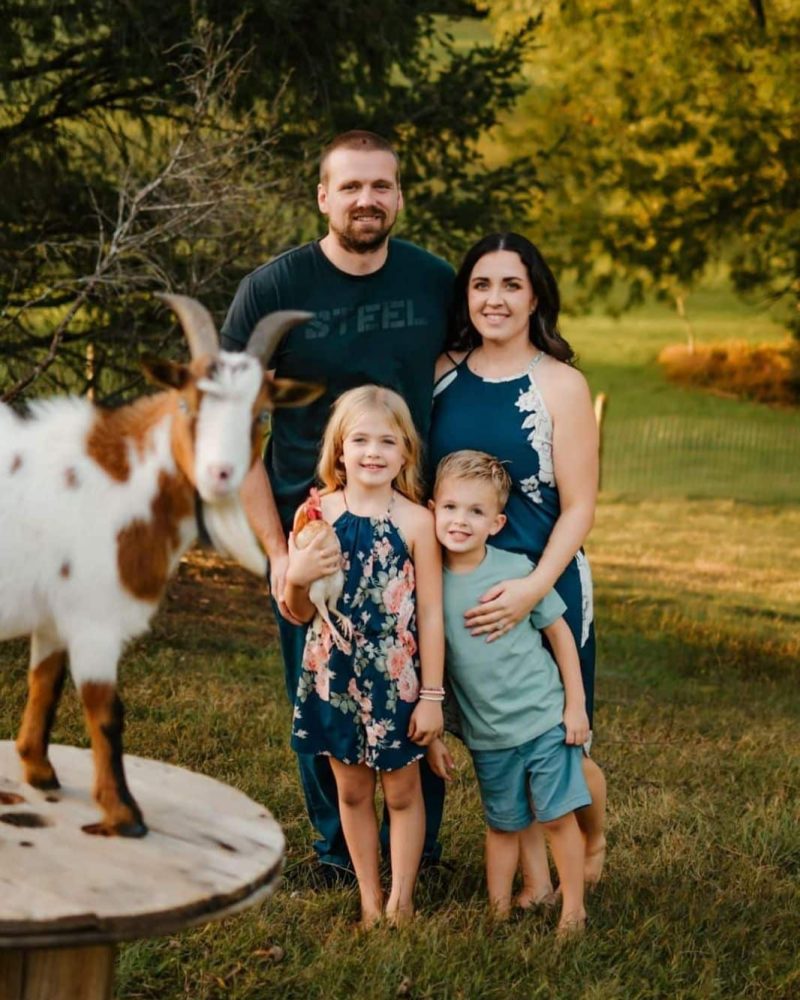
(97, 96)
(665, 136)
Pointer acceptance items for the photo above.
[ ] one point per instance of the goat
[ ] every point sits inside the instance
(96, 508)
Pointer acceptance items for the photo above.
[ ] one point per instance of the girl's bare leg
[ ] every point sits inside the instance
(502, 857)
(537, 886)
(592, 822)
(402, 792)
(567, 846)
(355, 784)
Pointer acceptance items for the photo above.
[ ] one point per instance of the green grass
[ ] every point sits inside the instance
(663, 440)
(698, 707)
(697, 716)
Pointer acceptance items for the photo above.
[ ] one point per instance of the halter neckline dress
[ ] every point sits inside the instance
(356, 707)
(508, 418)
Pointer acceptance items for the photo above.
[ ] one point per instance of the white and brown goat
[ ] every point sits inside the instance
(96, 508)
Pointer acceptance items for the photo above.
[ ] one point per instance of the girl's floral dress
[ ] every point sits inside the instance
(357, 707)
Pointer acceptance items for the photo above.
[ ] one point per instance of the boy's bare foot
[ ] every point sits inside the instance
(595, 860)
(530, 898)
(571, 926)
(500, 911)
(399, 917)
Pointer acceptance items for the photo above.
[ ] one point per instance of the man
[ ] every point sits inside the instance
(380, 309)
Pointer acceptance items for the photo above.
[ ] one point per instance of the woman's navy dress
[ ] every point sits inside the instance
(508, 419)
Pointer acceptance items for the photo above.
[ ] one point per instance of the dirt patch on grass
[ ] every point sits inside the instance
(210, 594)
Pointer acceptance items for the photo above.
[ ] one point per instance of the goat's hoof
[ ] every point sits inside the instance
(133, 829)
(44, 782)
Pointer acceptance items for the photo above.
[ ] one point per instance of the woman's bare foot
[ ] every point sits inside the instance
(595, 860)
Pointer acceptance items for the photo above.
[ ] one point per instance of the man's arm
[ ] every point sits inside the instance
(256, 493)
(258, 501)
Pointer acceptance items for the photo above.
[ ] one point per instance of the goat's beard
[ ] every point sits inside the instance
(353, 240)
(230, 532)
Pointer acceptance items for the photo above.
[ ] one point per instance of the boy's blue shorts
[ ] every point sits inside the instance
(539, 780)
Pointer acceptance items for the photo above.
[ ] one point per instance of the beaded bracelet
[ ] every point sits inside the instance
(438, 698)
(432, 690)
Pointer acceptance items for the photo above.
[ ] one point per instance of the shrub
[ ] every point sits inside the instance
(768, 373)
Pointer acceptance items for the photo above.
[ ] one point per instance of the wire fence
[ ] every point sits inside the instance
(708, 457)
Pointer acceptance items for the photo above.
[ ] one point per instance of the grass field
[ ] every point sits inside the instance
(697, 718)
(662, 440)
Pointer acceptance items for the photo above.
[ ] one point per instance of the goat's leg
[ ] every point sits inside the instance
(93, 659)
(339, 640)
(45, 682)
(105, 718)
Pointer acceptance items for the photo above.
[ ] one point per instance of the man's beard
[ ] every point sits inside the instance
(352, 240)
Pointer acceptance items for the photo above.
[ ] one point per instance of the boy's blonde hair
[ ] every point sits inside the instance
(346, 410)
(478, 466)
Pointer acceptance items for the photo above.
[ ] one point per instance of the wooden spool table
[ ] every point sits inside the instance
(67, 898)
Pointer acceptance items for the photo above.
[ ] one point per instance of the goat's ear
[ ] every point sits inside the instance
(290, 392)
(167, 374)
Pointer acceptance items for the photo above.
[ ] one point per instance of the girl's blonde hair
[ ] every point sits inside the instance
(346, 410)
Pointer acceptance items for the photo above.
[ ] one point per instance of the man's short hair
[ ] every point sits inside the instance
(357, 138)
(475, 465)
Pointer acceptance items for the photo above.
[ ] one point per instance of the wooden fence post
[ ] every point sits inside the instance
(600, 403)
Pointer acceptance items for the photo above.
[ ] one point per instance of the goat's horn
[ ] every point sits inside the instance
(201, 333)
(268, 332)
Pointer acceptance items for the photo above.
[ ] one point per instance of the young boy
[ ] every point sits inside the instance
(522, 722)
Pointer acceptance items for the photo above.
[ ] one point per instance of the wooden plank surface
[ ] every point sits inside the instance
(57, 973)
(210, 850)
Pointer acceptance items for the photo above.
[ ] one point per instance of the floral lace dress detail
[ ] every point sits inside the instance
(357, 707)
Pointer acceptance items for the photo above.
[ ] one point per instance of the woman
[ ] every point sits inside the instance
(506, 385)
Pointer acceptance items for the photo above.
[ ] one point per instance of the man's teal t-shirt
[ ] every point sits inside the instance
(387, 328)
(508, 691)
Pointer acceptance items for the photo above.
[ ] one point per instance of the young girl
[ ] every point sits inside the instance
(366, 708)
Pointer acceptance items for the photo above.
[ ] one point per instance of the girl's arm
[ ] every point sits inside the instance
(565, 653)
(304, 567)
(426, 722)
(575, 464)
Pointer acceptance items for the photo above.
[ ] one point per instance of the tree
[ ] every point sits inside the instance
(98, 95)
(665, 136)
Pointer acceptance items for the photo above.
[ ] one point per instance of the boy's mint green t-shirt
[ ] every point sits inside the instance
(508, 691)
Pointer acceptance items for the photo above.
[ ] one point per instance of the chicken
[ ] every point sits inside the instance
(325, 592)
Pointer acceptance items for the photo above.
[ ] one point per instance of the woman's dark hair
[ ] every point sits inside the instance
(543, 326)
